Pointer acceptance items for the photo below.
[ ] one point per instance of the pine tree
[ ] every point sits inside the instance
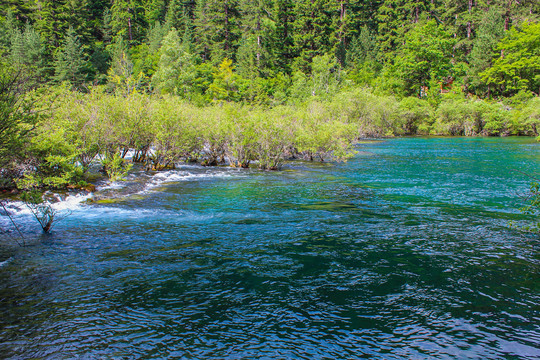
(27, 50)
(395, 18)
(156, 34)
(258, 28)
(19, 9)
(176, 15)
(247, 57)
(127, 20)
(8, 26)
(353, 15)
(70, 61)
(284, 49)
(53, 18)
(176, 67)
(216, 29)
(363, 47)
(154, 11)
(314, 30)
(50, 23)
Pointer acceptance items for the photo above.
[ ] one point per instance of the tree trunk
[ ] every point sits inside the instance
(259, 43)
(226, 47)
(469, 25)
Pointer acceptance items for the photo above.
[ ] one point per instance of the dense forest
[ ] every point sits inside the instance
(238, 82)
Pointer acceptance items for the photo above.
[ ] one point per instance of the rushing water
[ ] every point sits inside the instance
(402, 252)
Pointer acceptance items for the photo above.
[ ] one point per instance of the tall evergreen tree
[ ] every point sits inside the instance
(176, 68)
(154, 10)
(314, 30)
(247, 61)
(127, 20)
(363, 47)
(70, 61)
(217, 29)
(176, 15)
(8, 26)
(258, 28)
(53, 18)
(283, 38)
(395, 18)
(26, 48)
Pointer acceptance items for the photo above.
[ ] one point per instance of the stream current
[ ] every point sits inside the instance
(405, 251)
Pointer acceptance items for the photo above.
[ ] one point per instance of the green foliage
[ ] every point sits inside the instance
(459, 116)
(18, 119)
(241, 127)
(528, 117)
(121, 77)
(127, 20)
(70, 61)
(175, 131)
(176, 72)
(518, 67)
(115, 167)
(371, 115)
(314, 31)
(225, 84)
(416, 115)
(275, 137)
(489, 33)
(26, 49)
(320, 135)
(363, 48)
(426, 56)
(253, 82)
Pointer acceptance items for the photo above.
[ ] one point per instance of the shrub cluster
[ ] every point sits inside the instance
(117, 130)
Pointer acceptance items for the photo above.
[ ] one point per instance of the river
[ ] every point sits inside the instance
(402, 252)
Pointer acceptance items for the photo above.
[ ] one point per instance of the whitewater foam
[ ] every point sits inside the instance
(172, 176)
(5, 262)
(68, 203)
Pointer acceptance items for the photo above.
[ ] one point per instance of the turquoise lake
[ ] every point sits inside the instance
(403, 252)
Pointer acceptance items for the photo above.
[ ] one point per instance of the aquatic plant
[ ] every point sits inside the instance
(43, 211)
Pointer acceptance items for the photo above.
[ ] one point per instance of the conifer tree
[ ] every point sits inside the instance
(176, 15)
(27, 51)
(217, 28)
(127, 20)
(154, 11)
(315, 30)
(247, 57)
(283, 38)
(70, 61)
(258, 28)
(395, 18)
(363, 47)
(120, 74)
(8, 26)
(176, 67)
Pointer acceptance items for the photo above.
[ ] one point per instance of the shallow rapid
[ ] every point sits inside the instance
(405, 251)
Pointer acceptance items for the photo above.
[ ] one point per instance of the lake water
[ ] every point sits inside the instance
(402, 252)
